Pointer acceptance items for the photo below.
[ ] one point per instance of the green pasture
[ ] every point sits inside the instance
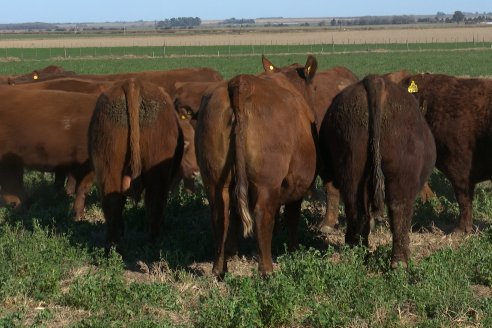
(471, 59)
(53, 271)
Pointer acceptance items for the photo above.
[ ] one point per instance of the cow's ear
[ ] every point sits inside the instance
(310, 67)
(267, 65)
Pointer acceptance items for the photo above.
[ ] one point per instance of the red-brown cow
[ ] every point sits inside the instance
(47, 73)
(134, 142)
(262, 128)
(43, 130)
(189, 166)
(378, 149)
(165, 79)
(459, 113)
(188, 97)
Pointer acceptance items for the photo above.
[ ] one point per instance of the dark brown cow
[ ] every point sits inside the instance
(378, 149)
(43, 130)
(134, 141)
(459, 113)
(263, 127)
(327, 84)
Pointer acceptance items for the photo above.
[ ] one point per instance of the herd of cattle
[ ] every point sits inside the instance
(258, 142)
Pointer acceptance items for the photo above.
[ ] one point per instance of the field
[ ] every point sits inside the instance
(53, 272)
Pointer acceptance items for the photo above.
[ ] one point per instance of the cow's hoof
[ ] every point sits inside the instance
(462, 230)
(395, 264)
(326, 229)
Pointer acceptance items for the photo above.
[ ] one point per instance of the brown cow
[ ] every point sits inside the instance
(165, 78)
(43, 130)
(263, 127)
(378, 149)
(82, 184)
(188, 97)
(459, 113)
(47, 73)
(134, 142)
(72, 84)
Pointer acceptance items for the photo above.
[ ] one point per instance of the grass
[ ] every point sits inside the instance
(53, 272)
(233, 60)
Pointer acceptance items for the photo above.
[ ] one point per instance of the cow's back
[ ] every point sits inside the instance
(46, 128)
(459, 113)
(327, 84)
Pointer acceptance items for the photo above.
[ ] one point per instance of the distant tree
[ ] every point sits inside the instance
(322, 23)
(179, 22)
(333, 22)
(234, 21)
(458, 16)
(440, 14)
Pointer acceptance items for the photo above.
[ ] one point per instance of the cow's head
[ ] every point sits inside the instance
(306, 72)
(187, 99)
(299, 76)
(189, 169)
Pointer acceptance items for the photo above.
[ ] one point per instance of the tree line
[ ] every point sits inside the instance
(457, 17)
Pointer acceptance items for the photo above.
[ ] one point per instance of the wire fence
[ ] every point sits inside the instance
(26, 53)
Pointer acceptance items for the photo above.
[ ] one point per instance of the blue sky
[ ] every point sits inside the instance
(76, 11)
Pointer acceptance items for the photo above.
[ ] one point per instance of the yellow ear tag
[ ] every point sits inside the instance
(309, 69)
(183, 117)
(413, 88)
(271, 67)
(35, 77)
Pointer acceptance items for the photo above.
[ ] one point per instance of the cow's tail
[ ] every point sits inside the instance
(237, 93)
(375, 97)
(132, 93)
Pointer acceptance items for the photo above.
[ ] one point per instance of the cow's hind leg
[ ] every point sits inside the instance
(83, 187)
(464, 195)
(112, 204)
(358, 221)
(330, 220)
(155, 201)
(400, 217)
(220, 206)
(234, 234)
(292, 213)
(266, 207)
(12, 191)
